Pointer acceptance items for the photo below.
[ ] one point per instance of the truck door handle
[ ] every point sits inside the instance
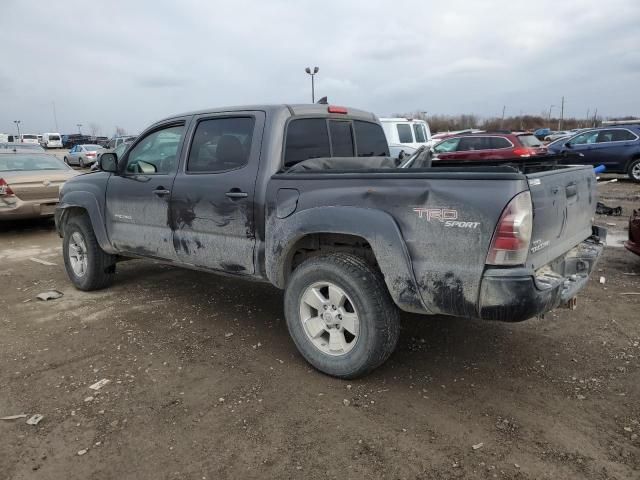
(236, 193)
(572, 190)
(161, 192)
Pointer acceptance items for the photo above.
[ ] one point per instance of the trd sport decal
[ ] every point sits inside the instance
(447, 216)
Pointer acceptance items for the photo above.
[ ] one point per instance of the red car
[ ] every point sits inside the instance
(489, 146)
(633, 244)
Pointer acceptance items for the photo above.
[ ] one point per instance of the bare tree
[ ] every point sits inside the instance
(120, 131)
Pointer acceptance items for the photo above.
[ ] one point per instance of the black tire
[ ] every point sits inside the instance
(378, 316)
(100, 265)
(80, 162)
(634, 165)
(66, 160)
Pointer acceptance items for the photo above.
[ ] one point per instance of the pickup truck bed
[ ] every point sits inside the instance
(404, 214)
(223, 190)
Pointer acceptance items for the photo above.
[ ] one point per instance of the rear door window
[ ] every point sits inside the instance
(341, 138)
(615, 135)
(370, 139)
(404, 133)
(496, 143)
(473, 144)
(221, 144)
(418, 130)
(306, 138)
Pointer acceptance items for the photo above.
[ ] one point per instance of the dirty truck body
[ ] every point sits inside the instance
(484, 242)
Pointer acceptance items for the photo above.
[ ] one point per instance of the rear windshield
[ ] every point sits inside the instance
(310, 138)
(92, 147)
(529, 141)
(54, 137)
(30, 137)
(26, 163)
(341, 138)
(370, 139)
(306, 138)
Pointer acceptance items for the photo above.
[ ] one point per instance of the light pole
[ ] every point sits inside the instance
(17, 122)
(79, 125)
(550, 107)
(313, 88)
(561, 114)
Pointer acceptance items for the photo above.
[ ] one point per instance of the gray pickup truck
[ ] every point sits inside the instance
(302, 196)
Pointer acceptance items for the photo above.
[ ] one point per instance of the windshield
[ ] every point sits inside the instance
(30, 137)
(529, 141)
(25, 163)
(54, 137)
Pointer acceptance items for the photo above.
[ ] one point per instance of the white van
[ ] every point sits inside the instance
(51, 140)
(405, 134)
(29, 138)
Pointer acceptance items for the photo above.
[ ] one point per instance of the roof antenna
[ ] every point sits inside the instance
(323, 101)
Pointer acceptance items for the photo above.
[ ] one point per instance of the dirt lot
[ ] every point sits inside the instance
(205, 383)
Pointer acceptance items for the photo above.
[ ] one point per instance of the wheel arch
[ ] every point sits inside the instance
(83, 203)
(371, 233)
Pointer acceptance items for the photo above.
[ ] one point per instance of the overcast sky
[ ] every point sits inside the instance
(129, 63)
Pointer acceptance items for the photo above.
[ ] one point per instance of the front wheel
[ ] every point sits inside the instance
(66, 160)
(340, 315)
(634, 170)
(81, 162)
(87, 265)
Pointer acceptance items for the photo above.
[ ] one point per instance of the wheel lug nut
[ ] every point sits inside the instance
(325, 307)
(333, 306)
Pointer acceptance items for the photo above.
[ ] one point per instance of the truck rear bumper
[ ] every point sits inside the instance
(513, 295)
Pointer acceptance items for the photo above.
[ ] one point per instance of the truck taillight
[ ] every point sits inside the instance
(510, 243)
(5, 189)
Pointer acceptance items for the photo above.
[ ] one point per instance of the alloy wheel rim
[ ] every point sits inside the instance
(78, 254)
(635, 171)
(329, 318)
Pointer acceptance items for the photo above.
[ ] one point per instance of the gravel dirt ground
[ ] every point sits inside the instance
(204, 381)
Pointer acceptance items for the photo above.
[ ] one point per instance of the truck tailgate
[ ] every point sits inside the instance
(564, 202)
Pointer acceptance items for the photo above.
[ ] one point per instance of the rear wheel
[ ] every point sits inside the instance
(340, 315)
(87, 265)
(634, 170)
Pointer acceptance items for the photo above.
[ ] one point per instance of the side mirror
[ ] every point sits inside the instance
(568, 145)
(401, 155)
(109, 162)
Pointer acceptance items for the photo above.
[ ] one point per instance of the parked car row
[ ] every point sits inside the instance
(616, 147)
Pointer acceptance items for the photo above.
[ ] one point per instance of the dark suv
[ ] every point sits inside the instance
(617, 148)
(489, 146)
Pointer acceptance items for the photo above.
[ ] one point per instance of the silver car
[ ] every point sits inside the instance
(82, 155)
